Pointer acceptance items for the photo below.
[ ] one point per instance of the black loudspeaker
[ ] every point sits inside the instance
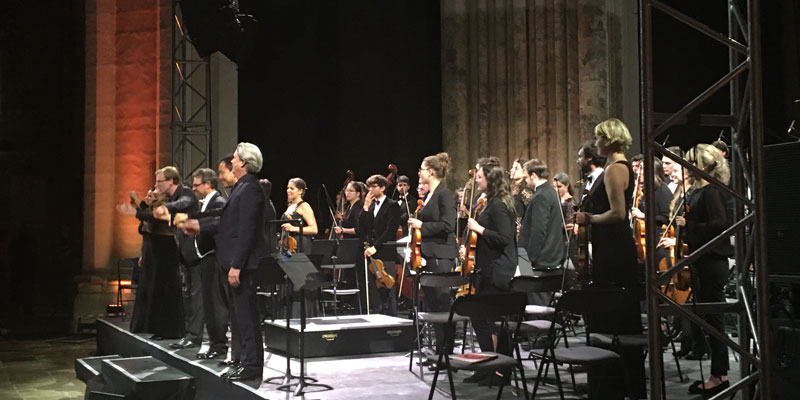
(782, 192)
(217, 25)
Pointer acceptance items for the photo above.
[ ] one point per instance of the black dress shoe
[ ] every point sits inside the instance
(184, 343)
(235, 369)
(245, 374)
(477, 377)
(697, 388)
(156, 337)
(695, 356)
(228, 363)
(211, 354)
(495, 380)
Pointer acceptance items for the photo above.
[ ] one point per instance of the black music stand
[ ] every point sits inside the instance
(302, 275)
(337, 254)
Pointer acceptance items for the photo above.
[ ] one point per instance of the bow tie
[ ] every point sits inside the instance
(589, 179)
(377, 203)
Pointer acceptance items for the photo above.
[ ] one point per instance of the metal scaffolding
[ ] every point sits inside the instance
(745, 121)
(191, 101)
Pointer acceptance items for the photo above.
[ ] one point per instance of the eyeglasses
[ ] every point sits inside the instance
(194, 185)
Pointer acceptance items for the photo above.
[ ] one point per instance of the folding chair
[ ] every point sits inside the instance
(505, 307)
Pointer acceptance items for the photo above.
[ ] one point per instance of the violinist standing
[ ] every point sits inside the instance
(705, 218)
(495, 257)
(379, 220)
(406, 200)
(437, 223)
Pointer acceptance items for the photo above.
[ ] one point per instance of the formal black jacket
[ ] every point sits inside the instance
(239, 226)
(707, 217)
(382, 228)
(351, 217)
(542, 231)
(182, 200)
(404, 211)
(205, 241)
(496, 250)
(438, 218)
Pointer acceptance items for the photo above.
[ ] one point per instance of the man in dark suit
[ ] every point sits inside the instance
(378, 224)
(183, 200)
(215, 305)
(542, 231)
(239, 229)
(406, 200)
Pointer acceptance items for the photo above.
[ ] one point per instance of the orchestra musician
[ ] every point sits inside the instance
(406, 200)
(354, 196)
(436, 222)
(663, 198)
(564, 189)
(380, 217)
(519, 187)
(705, 218)
(298, 209)
(605, 212)
(495, 256)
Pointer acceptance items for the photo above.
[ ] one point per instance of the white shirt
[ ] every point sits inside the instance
(203, 205)
(378, 203)
(590, 182)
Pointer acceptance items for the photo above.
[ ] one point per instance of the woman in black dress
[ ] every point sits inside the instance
(495, 254)
(158, 309)
(705, 218)
(298, 209)
(437, 223)
(613, 259)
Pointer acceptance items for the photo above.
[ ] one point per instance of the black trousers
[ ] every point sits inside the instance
(193, 301)
(439, 299)
(248, 342)
(215, 302)
(485, 328)
(710, 274)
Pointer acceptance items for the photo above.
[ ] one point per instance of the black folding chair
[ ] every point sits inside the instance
(504, 307)
(590, 301)
(432, 279)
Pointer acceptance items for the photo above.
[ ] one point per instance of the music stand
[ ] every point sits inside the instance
(337, 254)
(302, 275)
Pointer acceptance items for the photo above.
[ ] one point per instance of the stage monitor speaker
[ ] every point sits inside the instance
(782, 194)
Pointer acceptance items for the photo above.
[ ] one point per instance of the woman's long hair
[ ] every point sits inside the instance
(498, 186)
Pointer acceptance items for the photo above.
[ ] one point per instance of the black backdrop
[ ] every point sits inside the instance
(341, 85)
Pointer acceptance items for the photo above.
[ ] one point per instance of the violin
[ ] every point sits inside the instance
(638, 224)
(468, 267)
(287, 243)
(416, 241)
(376, 267)
(582, 242)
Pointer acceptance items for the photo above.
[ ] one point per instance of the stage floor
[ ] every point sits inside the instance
(352, 377)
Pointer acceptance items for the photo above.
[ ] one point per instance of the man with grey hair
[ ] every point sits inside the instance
(239, 228)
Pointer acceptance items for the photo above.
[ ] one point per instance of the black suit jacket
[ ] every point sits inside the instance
(239, 226)
(542, 231)
(184, 201)
(438, 224)
(205, 241)
(377, 230)
(404, 211)
(496, 250)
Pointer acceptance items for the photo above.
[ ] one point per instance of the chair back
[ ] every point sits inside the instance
(442, 279)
